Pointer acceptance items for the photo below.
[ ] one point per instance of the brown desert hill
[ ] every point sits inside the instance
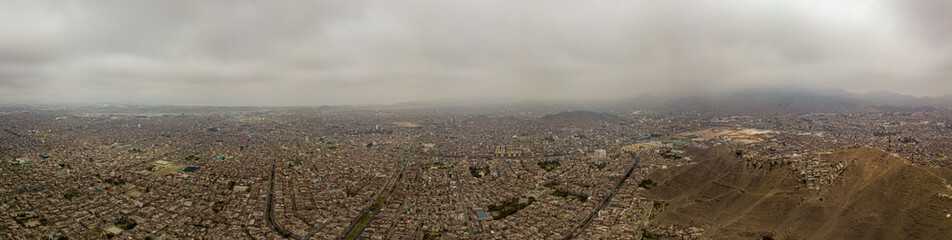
(877, 196)
(579, 118)
(489, 121)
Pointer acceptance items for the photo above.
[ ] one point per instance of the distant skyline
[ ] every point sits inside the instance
(272, 53)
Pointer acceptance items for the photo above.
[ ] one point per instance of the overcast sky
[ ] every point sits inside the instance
(360, 52)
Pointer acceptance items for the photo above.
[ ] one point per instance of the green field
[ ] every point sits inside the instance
(366, 218)
(479, 172)
(509, 207)
(548, 166)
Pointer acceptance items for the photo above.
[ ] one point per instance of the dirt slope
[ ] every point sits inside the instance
(579, 118)
(878, 196)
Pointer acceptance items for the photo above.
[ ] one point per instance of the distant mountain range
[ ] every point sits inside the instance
(552, 121)
(489, 121)
(796, 100)
(579, 117)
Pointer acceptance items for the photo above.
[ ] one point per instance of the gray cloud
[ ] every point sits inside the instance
(354, 52)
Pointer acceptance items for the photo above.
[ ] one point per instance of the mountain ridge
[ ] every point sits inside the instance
(877, 196)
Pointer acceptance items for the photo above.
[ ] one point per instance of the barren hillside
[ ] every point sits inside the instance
(878, 196)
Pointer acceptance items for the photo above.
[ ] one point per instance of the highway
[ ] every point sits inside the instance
(358, 225)
(270, 211)
(578, 229)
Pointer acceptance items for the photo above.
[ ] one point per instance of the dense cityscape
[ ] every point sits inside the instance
(489, 119)
(131, 172)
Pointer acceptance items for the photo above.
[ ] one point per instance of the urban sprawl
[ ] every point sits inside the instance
(398, 173)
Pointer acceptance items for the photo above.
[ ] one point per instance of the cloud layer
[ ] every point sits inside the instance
(358, 52)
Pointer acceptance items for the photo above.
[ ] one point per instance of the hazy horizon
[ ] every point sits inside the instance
(276, 53)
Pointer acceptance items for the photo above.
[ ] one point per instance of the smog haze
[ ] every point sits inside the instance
(277, 53)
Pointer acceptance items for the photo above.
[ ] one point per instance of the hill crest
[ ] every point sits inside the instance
(580, 117)
(877, 196)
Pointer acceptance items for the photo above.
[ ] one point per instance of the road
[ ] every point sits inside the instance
(270, 211)
(578, 229)
(358, 225)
